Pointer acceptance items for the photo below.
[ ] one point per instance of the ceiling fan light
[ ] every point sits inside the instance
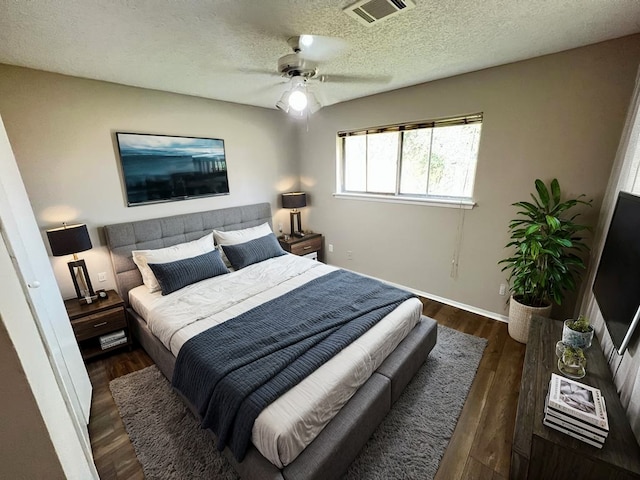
(298, 100)
(283, 103)
(313, 103)
(306, 40)
(280, 105)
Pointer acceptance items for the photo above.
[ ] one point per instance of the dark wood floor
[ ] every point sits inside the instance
(479, 449)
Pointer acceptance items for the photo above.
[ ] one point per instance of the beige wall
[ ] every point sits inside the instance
(555, 116)
(27, 451)
(62, 132)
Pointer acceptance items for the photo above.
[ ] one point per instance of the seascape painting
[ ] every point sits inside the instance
(159, 168)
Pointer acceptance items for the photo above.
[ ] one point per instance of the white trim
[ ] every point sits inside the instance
(427, 202)
(453, 303)
(36, 322)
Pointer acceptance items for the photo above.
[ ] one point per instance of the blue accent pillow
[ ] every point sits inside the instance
(244, 254)
(173, 276)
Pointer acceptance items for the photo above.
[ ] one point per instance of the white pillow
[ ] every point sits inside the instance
(234, 237)
(142, 258)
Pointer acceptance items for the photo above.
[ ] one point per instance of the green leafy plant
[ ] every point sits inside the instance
(573, 356)
(546, 241)
(581, 324)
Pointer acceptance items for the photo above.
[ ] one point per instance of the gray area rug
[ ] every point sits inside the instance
(409, 443)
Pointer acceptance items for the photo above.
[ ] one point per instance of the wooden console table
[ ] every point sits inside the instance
(542, 452)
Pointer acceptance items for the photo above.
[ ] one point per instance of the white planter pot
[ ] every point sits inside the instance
(576, 339)
(520, 319)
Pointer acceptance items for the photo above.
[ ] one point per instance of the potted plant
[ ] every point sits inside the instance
(545, 263)
(572, 362)
(577, 333)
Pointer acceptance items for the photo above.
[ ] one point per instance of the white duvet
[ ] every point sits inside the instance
(289, 424)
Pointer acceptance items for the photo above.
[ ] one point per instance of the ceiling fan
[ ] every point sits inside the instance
(302, 66)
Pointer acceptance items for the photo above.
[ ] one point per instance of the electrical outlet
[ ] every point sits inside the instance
(102, 277)
(503, 289)
(280, 228)
(331, 248)
(349, 255)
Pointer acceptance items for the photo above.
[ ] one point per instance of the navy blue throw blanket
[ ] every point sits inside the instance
(232, 371)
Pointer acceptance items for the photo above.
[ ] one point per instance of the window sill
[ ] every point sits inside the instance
(427, 202)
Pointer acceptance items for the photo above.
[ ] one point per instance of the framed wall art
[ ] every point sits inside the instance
(164, 168)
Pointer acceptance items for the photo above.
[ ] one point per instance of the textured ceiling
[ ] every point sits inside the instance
(217, 48)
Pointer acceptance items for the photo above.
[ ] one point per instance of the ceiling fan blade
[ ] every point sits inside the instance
(317, 48)
(354, 78)
(265, 88)
(261, 71)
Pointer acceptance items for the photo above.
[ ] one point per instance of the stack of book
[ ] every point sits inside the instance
(112, 339)
(576, 409)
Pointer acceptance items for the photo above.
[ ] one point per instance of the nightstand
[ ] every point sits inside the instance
(104, 318)
(308, 246)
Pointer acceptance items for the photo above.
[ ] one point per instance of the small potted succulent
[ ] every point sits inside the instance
(572, 362)
(577, 333)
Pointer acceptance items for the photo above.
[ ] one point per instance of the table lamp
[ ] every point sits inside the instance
(68, 240)
(295, 200)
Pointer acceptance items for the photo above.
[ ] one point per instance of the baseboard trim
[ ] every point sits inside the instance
(447, 301)
(461, 306)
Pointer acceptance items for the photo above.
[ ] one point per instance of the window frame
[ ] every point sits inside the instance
(397, 196)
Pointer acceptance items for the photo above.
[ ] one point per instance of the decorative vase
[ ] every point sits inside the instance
(520, 318)
(576, 339)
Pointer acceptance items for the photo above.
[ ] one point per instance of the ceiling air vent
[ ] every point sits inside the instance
(369, 12)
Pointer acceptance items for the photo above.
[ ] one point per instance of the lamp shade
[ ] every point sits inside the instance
(294, 200)
(69, 239)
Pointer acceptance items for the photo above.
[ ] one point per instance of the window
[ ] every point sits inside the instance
(425, 162)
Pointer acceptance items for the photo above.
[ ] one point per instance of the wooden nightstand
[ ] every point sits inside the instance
(310, 244)
(96, 319)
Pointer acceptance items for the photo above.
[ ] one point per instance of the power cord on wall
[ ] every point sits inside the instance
(458, 245)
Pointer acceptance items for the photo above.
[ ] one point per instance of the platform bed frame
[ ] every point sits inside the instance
(333, 450)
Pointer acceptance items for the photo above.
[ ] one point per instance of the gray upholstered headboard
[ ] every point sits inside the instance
(123, 238)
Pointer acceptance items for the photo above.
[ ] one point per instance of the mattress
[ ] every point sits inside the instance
(290, 423)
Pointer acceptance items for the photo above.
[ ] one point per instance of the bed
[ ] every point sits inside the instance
(325, 449)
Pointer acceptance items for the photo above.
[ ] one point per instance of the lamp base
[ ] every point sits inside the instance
(81, 280)
(295, 214)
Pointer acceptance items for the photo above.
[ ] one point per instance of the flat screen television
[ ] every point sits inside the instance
(163, 168)
(617, 283)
